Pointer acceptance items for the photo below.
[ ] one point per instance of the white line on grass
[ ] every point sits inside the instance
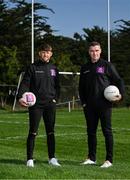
(58, 125)
(64, 125)
(41, 136)
(13, 122)
(59, 135)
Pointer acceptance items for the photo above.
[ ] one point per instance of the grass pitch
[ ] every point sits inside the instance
(71, 147)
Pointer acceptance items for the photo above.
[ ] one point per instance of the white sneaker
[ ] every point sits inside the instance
(30, 163)
(88, 161)
(54, 162)
(106, 164)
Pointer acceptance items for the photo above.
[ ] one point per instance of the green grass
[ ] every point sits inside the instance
(71, 147)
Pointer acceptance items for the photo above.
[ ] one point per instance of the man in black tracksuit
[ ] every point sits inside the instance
(41, 78)
(95, 76)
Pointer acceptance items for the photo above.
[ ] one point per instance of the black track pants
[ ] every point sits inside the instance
(92, 116)
(48, 113)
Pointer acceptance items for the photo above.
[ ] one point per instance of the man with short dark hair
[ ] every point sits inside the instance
(41, 78)
(95, 76)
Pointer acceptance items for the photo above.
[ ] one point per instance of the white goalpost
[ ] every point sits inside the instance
(61, 73)
(69, 90)
(69, 73)
(15, 98)
(32, 25)
(108, 27)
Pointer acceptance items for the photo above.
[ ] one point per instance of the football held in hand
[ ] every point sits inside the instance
(29, 98)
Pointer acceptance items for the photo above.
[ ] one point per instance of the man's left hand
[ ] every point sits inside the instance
(117, 98)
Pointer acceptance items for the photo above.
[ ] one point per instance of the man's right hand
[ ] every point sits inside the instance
(22, 102)
(84, 105)
(117, 98)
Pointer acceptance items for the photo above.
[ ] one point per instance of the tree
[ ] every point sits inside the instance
(15, 23)
(8, 69)
(120, 49)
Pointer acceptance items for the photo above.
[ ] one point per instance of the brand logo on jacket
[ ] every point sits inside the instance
(87, 71)
(100, 70)
(39, 71)
(53, 72)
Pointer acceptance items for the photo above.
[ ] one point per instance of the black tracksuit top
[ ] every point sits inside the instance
(42, 79)
(94, 78)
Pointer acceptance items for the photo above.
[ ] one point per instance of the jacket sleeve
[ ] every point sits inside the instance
(116, 79)
(25, 83)
(57, 85)
(81, 87)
